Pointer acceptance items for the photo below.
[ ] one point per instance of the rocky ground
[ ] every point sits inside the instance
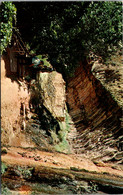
(58, 172)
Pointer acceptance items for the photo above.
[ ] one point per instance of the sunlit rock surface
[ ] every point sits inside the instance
(13, 95)
(53, 87)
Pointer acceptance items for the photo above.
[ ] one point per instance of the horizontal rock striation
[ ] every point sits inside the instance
(96, 115)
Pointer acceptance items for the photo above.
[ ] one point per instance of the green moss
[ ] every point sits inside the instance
(62, 146)
(5, 190)
(54, 137)
(3, 168)
(76, 169)
(26, 172)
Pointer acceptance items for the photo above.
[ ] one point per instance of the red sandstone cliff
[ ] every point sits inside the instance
(12, 96)
(96, 116)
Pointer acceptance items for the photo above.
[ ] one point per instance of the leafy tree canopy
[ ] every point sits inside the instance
(69, 31)
(7, 18)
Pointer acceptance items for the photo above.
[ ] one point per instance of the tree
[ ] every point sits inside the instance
(69, 31)
(7, 18)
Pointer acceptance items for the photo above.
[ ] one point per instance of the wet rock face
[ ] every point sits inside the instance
(95, 114)
(48, 99)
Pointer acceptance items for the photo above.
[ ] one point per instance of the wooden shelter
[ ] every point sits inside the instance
(18, 57)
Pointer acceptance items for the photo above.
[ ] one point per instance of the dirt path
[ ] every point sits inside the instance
(36, 158)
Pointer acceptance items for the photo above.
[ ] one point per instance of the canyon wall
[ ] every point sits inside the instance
(53, 92)
(96, 116)
(33, 113)
(13, 95)
(52, 110)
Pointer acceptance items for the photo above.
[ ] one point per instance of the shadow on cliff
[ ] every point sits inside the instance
(96, 114)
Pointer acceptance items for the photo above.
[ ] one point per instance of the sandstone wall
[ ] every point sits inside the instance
(54, 97)
(13, 95)
(52, 87)
(95, 114)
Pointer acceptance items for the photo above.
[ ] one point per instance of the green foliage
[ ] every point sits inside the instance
(44, 59)
(3, 168)
(103, 26)
(7, 16)
(5, 190)
(26, 172)
(69, 31)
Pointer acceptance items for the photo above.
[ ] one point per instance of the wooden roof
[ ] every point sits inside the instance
(19, 46)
